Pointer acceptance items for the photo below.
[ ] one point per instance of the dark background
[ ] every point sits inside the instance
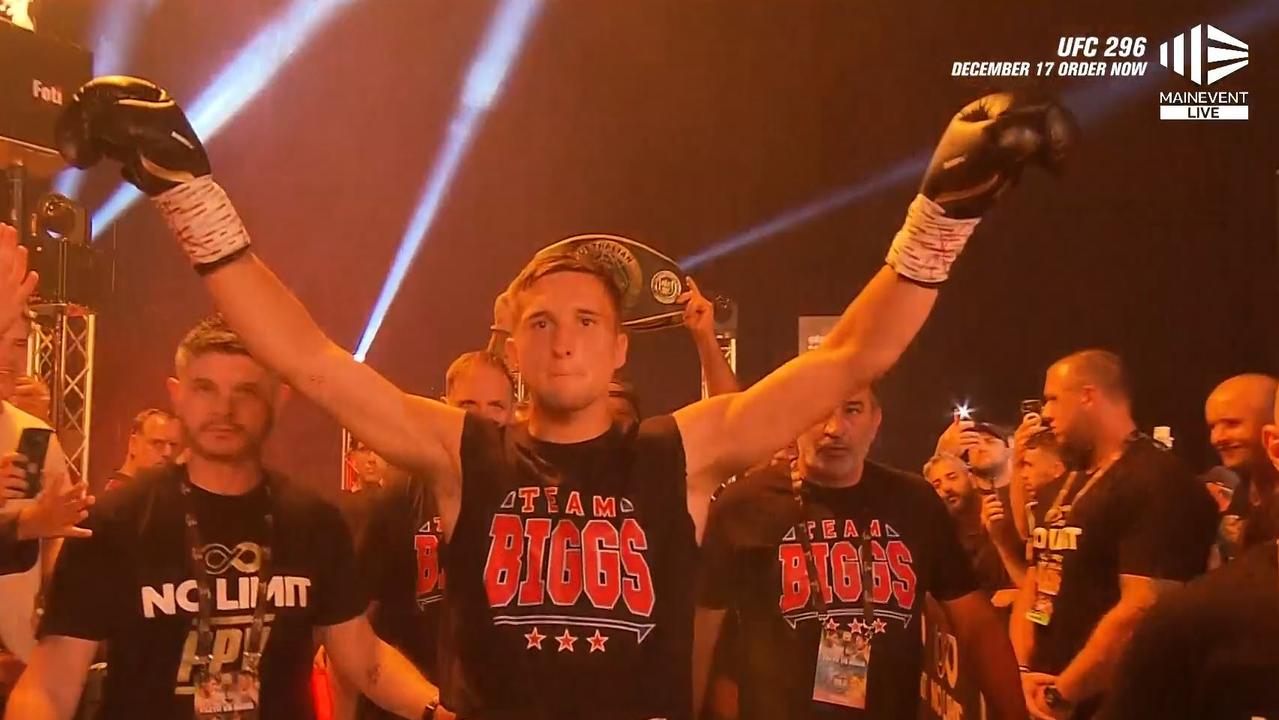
(682, 123)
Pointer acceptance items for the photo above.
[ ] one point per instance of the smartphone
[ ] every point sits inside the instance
(1028, 407)
(33, 444)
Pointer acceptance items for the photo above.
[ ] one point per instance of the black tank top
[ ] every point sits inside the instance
(571, 576)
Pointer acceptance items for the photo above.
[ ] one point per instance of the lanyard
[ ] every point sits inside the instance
(1056, 508)
(252, 655)
(805, 537)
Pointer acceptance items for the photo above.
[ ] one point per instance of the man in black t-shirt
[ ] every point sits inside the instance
(400, 559)
(570, 544)
(155, 441)
(1040, 473)
(1130, 523)
(367, 488)
(991, 458)
(952, 481)
(208, 581)
(400, 555)
(846, 644)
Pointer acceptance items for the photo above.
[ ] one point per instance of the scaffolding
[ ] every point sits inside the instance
(60, 353)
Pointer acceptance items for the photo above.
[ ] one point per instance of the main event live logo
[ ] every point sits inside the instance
(1204, 55)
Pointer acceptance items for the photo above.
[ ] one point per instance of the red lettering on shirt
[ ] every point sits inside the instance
(794, 578)
(847, 572)
(881, 584)
(564, 574)
(604, 507)
(533, 590)
(840, 576)
(900, 562)
(637, 586)
(428, 564)
(574, 504)
(502, 569)
(527, 494)
(602, 558)
(559, 563)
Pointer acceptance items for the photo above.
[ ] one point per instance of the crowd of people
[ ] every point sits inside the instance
(568, 557)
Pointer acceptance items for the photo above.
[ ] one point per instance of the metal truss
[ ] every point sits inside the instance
(60, 352)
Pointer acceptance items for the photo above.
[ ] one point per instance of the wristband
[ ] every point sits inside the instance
(202, 218)
(928, 242)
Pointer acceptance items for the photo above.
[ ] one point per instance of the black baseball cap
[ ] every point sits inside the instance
(999, 431)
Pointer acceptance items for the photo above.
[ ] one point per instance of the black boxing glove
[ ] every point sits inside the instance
(137, 124)
(987, 145)
(980, 155)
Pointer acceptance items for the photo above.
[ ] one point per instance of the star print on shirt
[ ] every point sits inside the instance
(566, 641)
(597, 641)
(535, 639)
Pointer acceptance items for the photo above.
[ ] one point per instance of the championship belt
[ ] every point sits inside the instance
(650, 283)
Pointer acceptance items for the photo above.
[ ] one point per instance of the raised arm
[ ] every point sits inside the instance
(139, 125)
(408, 430)
(727, 433)
(16, 281)
(982, 151)
(699, 318)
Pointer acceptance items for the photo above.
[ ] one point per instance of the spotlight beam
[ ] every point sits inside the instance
(503, 38)
(902, 171)
(238, 82)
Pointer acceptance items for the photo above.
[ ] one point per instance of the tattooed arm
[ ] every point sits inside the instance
(377, 669)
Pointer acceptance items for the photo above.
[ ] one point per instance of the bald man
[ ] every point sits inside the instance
(1236, 412)
(1129, 522)
(1208, 650)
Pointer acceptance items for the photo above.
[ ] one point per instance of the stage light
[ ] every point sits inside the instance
(252, 69)
(501, 43)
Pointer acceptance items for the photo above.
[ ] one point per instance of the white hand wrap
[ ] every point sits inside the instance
(928, 243)
(202, 218)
